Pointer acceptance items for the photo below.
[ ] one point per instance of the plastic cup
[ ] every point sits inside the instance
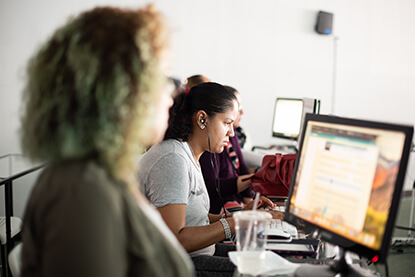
(251, 240)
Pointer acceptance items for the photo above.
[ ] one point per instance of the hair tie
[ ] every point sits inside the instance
(186, 91)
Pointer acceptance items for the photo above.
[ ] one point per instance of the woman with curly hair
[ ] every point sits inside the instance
(95, 97)
(172, 180)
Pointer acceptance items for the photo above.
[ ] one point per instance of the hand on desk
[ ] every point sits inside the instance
(263, 203)
(276, 214)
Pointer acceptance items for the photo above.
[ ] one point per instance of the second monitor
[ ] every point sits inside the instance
(289, 114)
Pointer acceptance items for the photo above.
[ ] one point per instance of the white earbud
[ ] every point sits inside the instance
(204, 124)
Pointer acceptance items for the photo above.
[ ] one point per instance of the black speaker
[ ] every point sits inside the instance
(324, 24)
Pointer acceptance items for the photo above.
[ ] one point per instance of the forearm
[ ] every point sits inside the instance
(214, 217)
(243, 185)
(195, 238)
(246, 200)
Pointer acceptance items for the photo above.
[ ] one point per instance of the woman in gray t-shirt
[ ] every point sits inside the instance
(171, 178)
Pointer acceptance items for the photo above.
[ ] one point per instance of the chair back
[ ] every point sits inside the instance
(15, 260)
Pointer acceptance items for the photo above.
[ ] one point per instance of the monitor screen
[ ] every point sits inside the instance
(347, 181)
(287, 118)
(289, 114)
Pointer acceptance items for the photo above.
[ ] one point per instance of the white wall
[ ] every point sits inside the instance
(264, 48)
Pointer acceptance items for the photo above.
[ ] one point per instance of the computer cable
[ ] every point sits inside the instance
(386, 268)
(376, 271)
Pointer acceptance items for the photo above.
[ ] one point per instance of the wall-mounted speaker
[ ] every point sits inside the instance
(324, 24)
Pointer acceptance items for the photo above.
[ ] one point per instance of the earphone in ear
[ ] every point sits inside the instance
(204, 124)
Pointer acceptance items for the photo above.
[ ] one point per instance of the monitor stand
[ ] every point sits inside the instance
(330, 270)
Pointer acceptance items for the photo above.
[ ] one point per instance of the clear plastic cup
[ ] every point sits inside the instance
(251, 240)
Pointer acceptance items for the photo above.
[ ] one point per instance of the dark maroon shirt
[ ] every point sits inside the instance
(227, 176)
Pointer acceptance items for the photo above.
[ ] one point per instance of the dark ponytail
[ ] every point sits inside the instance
(212, 98)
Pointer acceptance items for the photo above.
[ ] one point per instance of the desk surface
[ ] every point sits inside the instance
(400, 263)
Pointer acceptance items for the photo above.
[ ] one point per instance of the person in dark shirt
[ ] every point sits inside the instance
(239, 131)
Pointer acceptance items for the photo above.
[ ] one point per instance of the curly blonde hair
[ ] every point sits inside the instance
(92, 87)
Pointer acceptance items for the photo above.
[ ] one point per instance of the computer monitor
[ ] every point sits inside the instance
(289, 114)
(347, 182)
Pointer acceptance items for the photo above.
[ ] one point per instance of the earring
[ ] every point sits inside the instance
(202, 127)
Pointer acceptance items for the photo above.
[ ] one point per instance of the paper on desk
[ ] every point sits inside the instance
(274, 264)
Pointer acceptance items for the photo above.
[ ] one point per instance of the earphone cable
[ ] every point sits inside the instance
(216, 177)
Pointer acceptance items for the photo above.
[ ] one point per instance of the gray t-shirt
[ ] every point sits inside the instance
(169, 174)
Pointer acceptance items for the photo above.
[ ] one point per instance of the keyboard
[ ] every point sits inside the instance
(283, 226)
(279, 230)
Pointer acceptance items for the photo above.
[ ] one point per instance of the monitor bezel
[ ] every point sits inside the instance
(281, 135)
(335, 238)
